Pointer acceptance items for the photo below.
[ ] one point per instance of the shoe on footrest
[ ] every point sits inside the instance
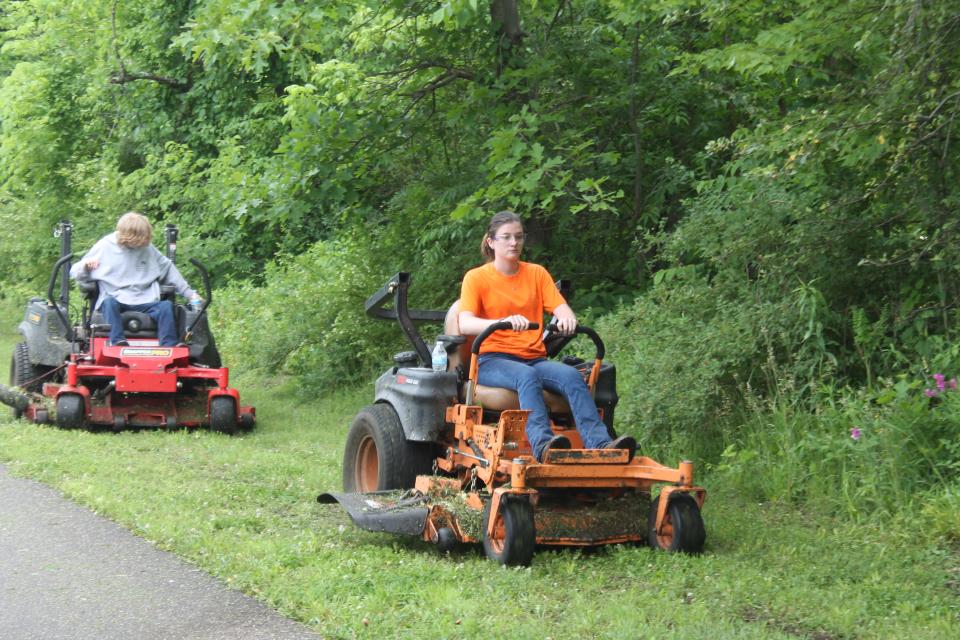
(556, 442)
(624, 442)
(118, 343)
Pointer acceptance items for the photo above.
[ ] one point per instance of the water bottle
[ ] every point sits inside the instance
(439, 357)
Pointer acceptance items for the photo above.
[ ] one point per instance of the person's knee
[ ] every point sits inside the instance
(567, 377)
(527, 377)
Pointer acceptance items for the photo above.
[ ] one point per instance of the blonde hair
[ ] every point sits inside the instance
(498, 220)
(133, 230)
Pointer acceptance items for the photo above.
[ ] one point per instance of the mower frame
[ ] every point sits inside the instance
(71, 375)
(481, 465)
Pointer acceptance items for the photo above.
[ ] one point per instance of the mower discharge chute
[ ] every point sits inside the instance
(440, 457)
(69, 374)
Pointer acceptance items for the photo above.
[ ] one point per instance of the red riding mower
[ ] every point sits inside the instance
(69, 374)
(440, 457)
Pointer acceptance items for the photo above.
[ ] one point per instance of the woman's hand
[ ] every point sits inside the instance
(566, 326)
(566, 320)
(520, 323)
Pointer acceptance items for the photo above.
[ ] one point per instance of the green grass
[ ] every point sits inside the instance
(244, 509)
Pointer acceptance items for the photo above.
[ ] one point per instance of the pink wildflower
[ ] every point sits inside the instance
(855, 433)
(939, 378)
(930, 393)
(952, 384)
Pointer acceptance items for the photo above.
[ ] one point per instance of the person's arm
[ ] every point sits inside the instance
(471, 325)
(169, 274)
(82, 269)
(554, 303)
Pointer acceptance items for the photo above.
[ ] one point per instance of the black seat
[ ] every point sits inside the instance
(135, 323)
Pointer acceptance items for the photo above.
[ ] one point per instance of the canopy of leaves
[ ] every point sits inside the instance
(748, 186)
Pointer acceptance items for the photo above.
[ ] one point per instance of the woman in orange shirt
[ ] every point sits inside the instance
(507, 289)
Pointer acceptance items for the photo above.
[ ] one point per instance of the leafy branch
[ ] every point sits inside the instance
(124, 76)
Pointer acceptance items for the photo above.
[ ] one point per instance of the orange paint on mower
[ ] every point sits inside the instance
(483, 483)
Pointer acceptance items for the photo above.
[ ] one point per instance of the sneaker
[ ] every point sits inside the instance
(624, 442)
(182, 344)
(118, 343)
(556, 442)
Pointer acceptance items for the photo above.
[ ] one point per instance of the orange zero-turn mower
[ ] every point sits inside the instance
(477, 480)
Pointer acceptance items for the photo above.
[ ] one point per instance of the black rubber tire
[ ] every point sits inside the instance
(446, 539)
(686, 532)
(247, 422)
(71, 411)
(21, 371)
(377, 455)
(518, 534)
(223, 415)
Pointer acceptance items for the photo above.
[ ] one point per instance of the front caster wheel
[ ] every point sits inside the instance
(514, 533)
(71, 411)
(223, 415)
(682, 529)
(446, 539)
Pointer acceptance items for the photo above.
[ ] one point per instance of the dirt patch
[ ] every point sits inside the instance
(953, 580)
(797, 630)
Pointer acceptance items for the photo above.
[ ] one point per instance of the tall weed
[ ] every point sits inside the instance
(885, 453)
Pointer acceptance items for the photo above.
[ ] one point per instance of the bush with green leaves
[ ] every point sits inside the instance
(893, 451)
(307, 319)
(675, 364)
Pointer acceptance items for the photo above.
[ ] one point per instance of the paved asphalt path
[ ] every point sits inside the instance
(69, 574)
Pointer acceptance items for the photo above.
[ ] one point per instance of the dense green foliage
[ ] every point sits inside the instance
(755, 200)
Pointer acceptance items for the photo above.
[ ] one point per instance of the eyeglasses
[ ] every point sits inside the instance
(508, 237)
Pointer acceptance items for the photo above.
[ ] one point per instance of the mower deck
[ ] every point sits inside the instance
(583, 497)
(139, 385)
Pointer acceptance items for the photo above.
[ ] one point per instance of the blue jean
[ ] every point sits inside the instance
(161, 312)
(529, 378)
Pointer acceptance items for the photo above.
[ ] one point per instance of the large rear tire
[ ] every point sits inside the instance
(223, 415)
(22, 373)
(683, 529)
(378, 456)
(514, 533)
(71, 411)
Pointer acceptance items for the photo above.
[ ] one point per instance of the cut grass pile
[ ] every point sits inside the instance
(244, 509)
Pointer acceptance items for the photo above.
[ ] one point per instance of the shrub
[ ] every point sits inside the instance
(307, 318)
(862, 453)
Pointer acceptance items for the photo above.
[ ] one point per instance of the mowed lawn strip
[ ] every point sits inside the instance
(244, 509)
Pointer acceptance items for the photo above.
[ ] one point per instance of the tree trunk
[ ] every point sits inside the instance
(506, 20)
(635, 128)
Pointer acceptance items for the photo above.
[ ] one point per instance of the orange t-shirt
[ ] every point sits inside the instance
(529, 292)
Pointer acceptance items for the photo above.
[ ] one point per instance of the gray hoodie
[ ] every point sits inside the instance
(132, 276)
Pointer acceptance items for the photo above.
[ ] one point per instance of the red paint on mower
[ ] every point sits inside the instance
(143, 385)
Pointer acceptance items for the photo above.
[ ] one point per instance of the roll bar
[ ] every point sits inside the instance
(396, 287)
(208, 298)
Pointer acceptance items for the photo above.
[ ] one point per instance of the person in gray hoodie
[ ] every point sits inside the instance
(129, 271)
